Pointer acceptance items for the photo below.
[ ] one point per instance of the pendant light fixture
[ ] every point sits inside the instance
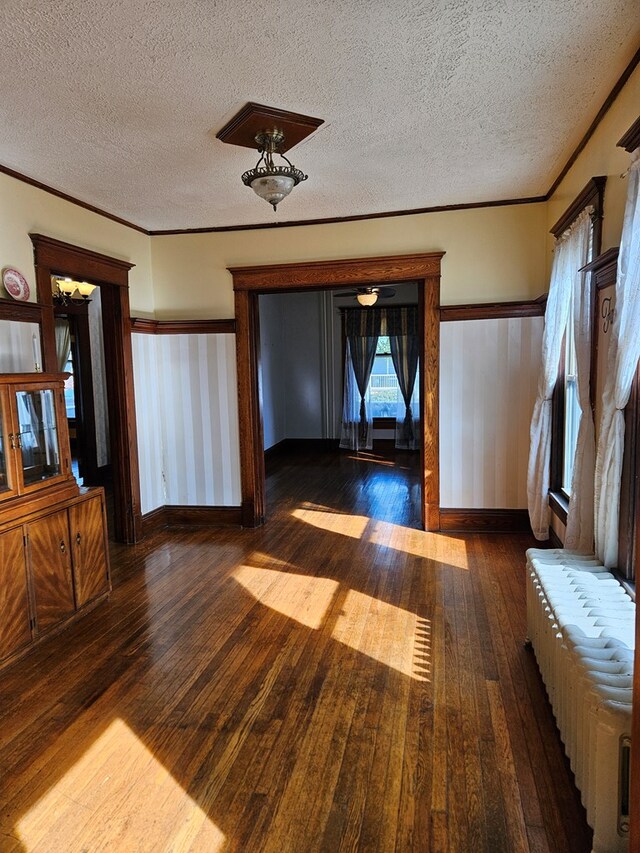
(269, 180)
(273, 132)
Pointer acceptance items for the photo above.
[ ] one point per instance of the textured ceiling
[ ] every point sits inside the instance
(426, 102)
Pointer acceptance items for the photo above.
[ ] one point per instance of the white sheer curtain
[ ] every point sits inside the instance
(579, 534)
(401, 412)
(571, 253)
(622, 361)
(63, 342)
(352, 436)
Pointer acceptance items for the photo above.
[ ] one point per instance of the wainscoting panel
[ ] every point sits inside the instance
(488, 378)
(148, 390)
(188, 415)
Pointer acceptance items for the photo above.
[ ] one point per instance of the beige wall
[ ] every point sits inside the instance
(493, 254)
(601, 156)
(25, 209)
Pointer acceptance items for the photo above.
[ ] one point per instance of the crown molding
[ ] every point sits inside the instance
(5, 170)
(613, 94)
(631, 140)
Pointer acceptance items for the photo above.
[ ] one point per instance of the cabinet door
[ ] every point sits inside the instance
(90, 572)
(50, 558)
(15, 627)
(8, 477)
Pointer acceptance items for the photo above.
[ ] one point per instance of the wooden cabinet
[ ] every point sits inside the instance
(90, 569)
(15, 620)
(50, 564)
(53, 535)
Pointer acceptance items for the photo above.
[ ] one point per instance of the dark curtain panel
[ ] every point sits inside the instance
(405, 352)
(363, 353)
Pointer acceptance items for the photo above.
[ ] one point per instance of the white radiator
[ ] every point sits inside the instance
(581, 623)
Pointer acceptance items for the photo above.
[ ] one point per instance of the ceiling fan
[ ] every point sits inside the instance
(369, 295)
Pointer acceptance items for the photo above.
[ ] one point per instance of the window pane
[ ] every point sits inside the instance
(383, 387)
(572, 410)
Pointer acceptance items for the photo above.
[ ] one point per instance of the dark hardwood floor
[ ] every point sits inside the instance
(336, 680)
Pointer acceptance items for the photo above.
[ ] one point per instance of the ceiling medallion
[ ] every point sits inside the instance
(270, 181)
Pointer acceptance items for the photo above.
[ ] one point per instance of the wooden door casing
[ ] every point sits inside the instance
(50, 558)
(90, 571)
(15, 625)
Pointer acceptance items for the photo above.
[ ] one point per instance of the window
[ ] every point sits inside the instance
(383, 385)
(69, 392)
(572, 411)
(566, 408)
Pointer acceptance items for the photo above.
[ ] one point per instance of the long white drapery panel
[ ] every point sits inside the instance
(351, 435)
(571, 253)
(622, 361)
(579, 535)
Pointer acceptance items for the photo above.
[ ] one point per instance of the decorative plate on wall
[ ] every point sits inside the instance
(15, 284)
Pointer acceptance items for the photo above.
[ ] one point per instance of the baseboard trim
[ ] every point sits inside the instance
(191, 516)
(554, 539)
(455, 520)
(304, 445)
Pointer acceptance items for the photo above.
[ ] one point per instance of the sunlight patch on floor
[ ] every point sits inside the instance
(118, 796)
(334, 522)
(389, 634)
(301, 597)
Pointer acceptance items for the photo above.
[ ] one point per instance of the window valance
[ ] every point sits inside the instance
(372, 322)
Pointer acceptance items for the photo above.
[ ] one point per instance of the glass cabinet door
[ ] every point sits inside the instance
(39, 450)
(7, 445)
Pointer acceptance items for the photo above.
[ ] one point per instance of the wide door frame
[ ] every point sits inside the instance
(112, 275)
(250, 282)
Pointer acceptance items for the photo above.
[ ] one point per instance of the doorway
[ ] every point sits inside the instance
(250, 282)
(53, 257)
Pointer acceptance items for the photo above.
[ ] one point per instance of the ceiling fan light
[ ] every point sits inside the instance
(368, 298)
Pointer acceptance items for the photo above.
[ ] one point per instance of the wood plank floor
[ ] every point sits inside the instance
(337, 680)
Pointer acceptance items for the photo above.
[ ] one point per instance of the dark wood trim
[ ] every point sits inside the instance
(254, 118)
(591, 194)
(332, 220)
(19, 176)
(384, 423)
(345, 272)
(112, 275)
(484, 520)
(249, 282)
(554, 540)
(76, 260)
(631, 139)
(604, 109)
(494, 310)
(142, 325)
(190, 516)
(559, 505)
(630, 485)
(277, 449)
(21, 312)
(604, 267)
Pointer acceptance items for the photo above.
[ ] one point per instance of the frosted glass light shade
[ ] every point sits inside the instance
(273, 188)
(367, 298)
(85, 289)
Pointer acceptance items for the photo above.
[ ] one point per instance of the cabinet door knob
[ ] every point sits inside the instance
(63, 547)
(78, 538)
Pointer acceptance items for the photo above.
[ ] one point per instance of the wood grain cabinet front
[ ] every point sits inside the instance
(15, 623)
(50, 564)
(90, 570)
